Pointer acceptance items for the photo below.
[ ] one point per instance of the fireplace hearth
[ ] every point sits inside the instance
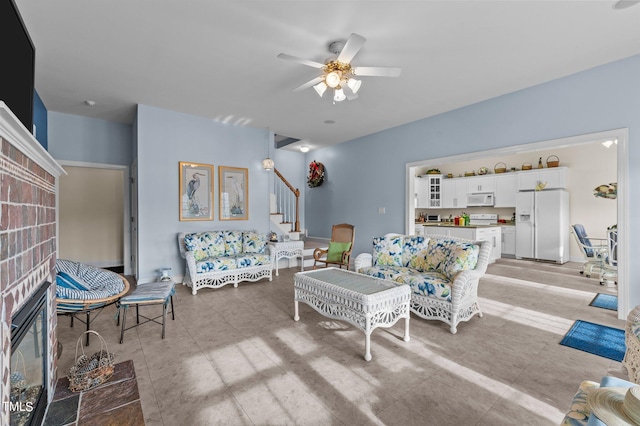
(28, 378)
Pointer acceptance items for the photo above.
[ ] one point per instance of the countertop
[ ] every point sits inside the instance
(451, 225)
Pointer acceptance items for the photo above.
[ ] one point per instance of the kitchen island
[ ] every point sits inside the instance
(490, 233)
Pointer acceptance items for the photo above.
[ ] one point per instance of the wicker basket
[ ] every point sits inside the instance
(527, 166)
(90, 371)
(553, 163)
(501, 169)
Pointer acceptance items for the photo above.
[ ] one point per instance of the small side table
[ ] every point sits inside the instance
(157, 293)
(289, 249)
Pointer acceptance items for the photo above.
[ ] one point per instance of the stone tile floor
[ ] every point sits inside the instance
(235, 356)
(115, 402)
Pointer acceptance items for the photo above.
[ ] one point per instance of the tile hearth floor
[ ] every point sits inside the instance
(235, 356)
(115, 402)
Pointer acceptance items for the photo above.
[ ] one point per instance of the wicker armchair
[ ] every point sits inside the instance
(342, 233)
(632, 355)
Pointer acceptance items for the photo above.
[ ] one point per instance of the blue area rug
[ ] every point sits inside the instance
(605, 301)
(597, 339)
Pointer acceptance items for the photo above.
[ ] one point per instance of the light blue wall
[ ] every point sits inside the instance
(40, 120)
(164, 138)
(77, 138)
(369, 172)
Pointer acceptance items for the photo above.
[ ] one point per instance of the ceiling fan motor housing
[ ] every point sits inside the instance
(336, 47)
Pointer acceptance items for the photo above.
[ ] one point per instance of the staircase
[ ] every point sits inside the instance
(284, 216)
(278, 221)
(284, 208)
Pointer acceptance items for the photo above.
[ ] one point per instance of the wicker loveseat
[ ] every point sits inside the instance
(443, 273)
(217, 258)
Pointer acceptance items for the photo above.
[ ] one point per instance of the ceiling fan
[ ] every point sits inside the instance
(338, 74)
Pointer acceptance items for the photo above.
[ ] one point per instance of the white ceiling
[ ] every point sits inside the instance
(217, 59)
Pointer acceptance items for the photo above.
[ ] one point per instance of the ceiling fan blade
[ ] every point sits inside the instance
(377, 71)
(351, 47)
(309, 84)
(300, 60)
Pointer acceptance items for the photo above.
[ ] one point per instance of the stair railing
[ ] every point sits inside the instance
(287, 200)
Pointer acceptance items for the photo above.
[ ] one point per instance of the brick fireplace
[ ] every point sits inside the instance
(28, 177)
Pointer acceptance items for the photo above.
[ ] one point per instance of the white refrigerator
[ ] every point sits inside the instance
(542, 225)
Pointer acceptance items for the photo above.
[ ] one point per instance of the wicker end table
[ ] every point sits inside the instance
(363, 301)
(288, 249)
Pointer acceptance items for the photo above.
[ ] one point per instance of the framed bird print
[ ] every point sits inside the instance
(196, 191)
(233, 193)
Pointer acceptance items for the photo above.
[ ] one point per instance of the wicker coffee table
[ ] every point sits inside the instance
(363, 301)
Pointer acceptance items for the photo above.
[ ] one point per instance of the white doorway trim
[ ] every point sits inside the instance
(126, 249)
(621, 135)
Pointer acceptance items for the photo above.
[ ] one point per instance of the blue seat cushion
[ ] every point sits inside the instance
(158, 291)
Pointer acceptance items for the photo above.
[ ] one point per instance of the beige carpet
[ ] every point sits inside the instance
(235, 356)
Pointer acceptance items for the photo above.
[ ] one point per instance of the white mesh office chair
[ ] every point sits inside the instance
(594, 253)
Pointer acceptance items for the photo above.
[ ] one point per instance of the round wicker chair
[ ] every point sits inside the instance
(83, 289)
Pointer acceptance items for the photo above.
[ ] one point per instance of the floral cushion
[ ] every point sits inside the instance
(387, 251)
(414, 252)
(244, 261)
(635, 329)
(252, 242)
(232, 242)
(429, 284)
(579, 412)
(220, 263)
(391, 273)
(205, 244)
(224, 263)
(450, 257)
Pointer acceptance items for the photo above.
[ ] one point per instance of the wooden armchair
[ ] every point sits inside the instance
(339, 252)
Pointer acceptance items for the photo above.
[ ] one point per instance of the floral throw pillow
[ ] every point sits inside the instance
(253, 242)
(387, 251)
(205, 244)
(414, 252)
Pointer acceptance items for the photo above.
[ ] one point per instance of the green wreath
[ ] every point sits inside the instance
(316, 174)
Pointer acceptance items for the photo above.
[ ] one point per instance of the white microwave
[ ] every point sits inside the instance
(480, 199)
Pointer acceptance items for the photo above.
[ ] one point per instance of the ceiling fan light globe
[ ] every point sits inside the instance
(339, 95)
(320, 88)
(354, 84)
(333, 79)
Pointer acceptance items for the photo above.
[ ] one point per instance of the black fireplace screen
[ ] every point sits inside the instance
(28, 395)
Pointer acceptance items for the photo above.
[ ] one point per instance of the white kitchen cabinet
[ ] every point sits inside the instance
(506, 190)
(481, 184)
(435, 230)
(489, 233)
(429, 191)
(555, 178)
(461, 232)
(454, 193)
(492, 234)
(422, 194)
(509, 240)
